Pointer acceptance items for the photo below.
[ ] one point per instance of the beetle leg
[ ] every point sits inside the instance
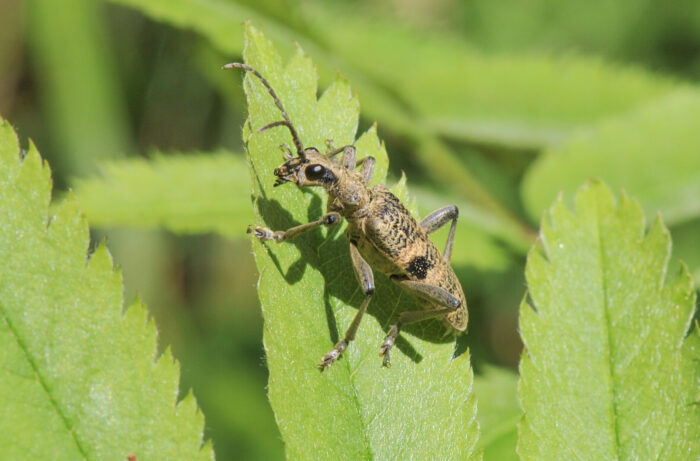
(425, 291)
(348, 158)
(288, 155)
(439, 218)
(264, 233)
(366, 278)
(349, 161)
(367, 168)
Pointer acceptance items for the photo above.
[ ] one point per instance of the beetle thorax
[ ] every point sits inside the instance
(349, 194)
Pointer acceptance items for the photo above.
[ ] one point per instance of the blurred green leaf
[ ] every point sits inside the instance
(686, 246)
(85, 114)
(608, 372)
(182, 193)
(535, 24)
(652, 153)
(648, 32)
(12, 26)
(524, 101)
(499, 413)
(423, 406)
(80, 378)
(239, 417)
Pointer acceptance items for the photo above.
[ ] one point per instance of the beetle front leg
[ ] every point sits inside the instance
(367, 168)
(348, 158)
(366, 278)
(350, 162)
(265, 233)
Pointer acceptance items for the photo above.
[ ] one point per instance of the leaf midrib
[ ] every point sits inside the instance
(356, 400)
(42, 381)
(608, 329)
(362, 415)
(360, 411)
(339, 233)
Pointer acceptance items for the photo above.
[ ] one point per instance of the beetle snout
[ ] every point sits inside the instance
(287, 172)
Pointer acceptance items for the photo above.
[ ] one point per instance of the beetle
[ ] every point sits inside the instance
(382, 233)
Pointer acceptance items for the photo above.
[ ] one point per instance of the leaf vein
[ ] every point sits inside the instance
(608, 332)
(42, 381)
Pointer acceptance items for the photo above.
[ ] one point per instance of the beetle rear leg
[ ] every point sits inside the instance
(425, 291)
(439, 218)
(366, 278)
(265, 233)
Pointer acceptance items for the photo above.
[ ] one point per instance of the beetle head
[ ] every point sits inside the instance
(311, 168)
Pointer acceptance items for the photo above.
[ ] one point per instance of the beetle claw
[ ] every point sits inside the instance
(330, 358)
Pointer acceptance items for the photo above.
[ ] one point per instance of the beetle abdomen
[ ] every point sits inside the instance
(394, 243)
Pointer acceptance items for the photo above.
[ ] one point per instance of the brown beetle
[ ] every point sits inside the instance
(382, 233)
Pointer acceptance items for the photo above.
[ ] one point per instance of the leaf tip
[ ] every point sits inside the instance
(101, 258)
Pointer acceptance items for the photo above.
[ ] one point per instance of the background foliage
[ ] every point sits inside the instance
(493, 108)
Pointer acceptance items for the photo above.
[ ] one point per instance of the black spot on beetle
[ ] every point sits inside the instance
(419, 267)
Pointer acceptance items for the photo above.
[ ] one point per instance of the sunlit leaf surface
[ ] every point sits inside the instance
(608, 372)
(652, 153)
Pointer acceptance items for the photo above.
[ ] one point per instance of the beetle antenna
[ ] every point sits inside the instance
(287, 121)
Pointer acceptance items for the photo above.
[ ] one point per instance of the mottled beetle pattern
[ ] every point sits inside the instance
(383, 234)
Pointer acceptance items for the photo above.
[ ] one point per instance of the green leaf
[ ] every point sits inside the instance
(193, 193)
(79, 378)
(499, 413)
(686, 246)
(423, 406)
(608, 372)
(651, 153)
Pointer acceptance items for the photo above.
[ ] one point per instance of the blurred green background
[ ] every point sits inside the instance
(93, 83)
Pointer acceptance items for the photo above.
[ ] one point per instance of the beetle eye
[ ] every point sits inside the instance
(314, 172)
